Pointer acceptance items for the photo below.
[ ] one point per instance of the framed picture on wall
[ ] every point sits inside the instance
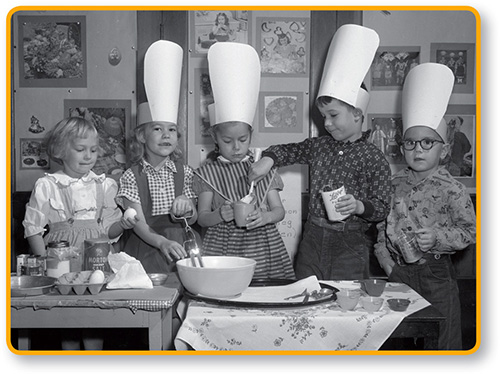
(283, 46)
(386, 135)
(281, 112)
(211, 26)
(459, 57)
(112, 121)
(203, 97)
(33, 154)
(461, 160)
(391, 65)
(52, 51)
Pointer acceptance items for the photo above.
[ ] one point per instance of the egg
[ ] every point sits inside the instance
(96, 277)
(130, 213)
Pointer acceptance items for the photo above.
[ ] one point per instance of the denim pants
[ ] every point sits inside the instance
(331, 254)
(435, 281)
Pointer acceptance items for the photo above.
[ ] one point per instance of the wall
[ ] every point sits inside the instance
(105, 30)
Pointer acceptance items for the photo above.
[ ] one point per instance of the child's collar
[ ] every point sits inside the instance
(223, 159)
(64, 179)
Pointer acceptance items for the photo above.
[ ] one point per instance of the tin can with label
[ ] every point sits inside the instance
(96, 253)
(22, 263)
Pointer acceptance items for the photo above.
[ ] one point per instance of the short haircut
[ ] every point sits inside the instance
(60, 137)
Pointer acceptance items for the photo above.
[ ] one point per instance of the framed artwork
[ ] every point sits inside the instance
(111, 119)
(386, 135)
(461, 160)
(283, 46)
(52, 51)
(203, 97)
(459, 57)
(211, 26)
(281, 112)
(33, 154)
(391, 65)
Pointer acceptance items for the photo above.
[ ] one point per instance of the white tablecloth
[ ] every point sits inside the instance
(322, 327)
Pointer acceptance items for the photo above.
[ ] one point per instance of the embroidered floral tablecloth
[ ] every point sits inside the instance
(307, 328)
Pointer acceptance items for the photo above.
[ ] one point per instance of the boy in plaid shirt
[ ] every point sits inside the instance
(345, 157)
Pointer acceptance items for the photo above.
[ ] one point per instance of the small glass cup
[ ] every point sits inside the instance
(409, 248)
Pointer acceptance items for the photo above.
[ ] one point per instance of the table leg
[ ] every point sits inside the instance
(23, 340)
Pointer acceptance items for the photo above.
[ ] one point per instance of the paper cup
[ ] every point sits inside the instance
(330, 198)
(241, 211)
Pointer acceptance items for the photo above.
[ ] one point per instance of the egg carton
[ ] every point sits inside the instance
(78, 283)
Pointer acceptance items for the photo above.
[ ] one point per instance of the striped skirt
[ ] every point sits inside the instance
(263, 244)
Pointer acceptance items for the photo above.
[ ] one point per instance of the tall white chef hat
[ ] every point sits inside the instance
(426, 92)
(162, 79)
(349, 58)
(235, 78)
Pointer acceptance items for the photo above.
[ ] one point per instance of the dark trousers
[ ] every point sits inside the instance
(435, 281)
(330, 253)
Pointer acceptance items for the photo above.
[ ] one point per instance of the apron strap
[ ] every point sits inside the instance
(179, 178)
(99, 201)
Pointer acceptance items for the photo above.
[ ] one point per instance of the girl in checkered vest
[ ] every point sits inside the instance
(159, 187)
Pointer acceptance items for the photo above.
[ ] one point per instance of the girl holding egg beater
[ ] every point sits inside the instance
(158, 185)
(74, 202)
(223, 181)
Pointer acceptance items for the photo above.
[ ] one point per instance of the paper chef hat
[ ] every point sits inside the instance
(426, 92)
(143, 114)
(162, 79)
(349, 58)
(235, 78)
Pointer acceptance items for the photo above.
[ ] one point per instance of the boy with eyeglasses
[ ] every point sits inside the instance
(428, 204)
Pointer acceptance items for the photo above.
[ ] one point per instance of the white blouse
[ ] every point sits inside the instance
(46, 204)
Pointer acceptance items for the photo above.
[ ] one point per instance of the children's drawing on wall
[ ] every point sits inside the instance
(52, 51)
(282, 112)
(460, 160)
(459, 57)
(110, 123)
(210, 27)
(35, 126)
(33, 154)
(283, 45)
(386, 135)
(456, 60)
(391, 65)
(203, 98)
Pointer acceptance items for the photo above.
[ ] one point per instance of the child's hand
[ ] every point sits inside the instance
(128, 223)
(255, 219)
(172, 250)
(226, 211)
(426, 238)
(347, 204)
(181, 206)
(259, 169)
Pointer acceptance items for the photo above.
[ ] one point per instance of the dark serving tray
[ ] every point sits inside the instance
(266, 283)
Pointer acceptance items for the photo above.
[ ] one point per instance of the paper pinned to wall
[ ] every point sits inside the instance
(290, 227)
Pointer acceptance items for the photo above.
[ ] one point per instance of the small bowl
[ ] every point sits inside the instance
(398, 305)
(220, 276)
(348, 299)
(373, 287)
(158, 278)
(372, 304)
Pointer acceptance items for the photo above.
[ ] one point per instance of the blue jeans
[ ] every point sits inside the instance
(435, 281)
(330, 254)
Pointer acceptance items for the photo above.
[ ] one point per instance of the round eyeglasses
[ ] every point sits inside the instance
(425, 144)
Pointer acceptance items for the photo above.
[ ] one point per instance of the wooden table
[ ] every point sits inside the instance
(132, 308)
